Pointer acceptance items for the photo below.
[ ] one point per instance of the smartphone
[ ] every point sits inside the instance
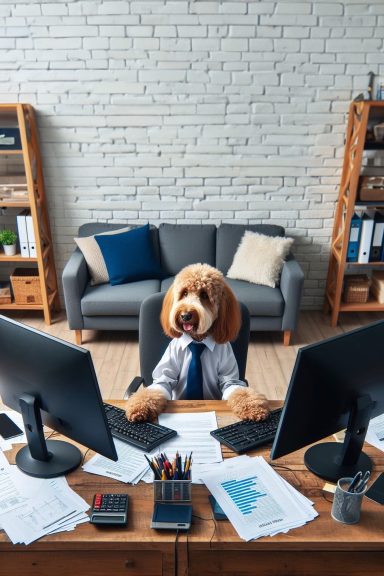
(376, 491)
(8, 429)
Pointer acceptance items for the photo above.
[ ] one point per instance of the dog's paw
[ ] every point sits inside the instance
(145, 405)
(248, 405)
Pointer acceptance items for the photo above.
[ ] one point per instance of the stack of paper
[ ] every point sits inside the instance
(33, 507)
(257, 501)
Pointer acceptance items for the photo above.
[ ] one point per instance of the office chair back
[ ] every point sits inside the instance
(153, 342)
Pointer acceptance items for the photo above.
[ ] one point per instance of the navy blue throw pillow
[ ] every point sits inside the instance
(129, 256)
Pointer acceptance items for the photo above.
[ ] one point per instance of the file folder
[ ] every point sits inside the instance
(365, 238)
(354, 238)
(22, 233)
(31, 236)
(377, 238)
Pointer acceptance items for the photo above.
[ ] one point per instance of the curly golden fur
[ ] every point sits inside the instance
(200, 302)
(145, 405)
(248, 405)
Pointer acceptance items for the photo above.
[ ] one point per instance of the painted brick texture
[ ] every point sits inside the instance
(192, 110)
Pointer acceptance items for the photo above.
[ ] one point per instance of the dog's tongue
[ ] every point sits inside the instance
(187, 327)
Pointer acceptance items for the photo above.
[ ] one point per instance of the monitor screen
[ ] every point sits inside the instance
(336, 383)
(51, 382)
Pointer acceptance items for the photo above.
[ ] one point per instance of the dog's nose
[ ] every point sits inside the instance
(186, 316)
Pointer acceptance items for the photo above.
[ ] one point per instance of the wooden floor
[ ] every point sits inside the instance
(269, 367)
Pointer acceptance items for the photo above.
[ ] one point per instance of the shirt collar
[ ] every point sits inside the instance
(186, 339)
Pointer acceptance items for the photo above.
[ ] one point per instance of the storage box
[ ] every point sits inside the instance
(377, 286)
(26, 286)
(371, 188)
(10, 139)
(356, 288)
(175, 491)
(5, 295)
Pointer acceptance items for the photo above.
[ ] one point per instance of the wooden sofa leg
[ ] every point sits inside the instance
(78, 337)
(287, 337)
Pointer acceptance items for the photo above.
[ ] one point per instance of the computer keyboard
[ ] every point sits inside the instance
(247, 434)
(142, 435)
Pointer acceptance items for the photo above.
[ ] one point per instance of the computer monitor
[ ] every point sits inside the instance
(337, 383)
(51, 382)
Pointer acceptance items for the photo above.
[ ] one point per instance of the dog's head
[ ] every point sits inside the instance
(200, 302)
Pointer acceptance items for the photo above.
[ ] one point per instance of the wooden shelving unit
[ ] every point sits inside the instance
(361, 113)
(22, 116)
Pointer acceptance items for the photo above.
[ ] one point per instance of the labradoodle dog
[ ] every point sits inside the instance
(198, 307)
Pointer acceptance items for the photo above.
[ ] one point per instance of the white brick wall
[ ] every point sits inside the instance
(192, 110)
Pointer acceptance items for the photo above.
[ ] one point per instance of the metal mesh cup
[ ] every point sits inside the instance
(346, 505)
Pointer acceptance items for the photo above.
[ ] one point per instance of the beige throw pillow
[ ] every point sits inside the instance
(94, 258)
(259, 258)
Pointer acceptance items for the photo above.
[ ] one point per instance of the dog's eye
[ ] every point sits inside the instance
(184, 293)
(203, 295)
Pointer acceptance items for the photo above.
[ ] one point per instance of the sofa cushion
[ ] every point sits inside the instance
(260, 300)
(184, 244)
(94, 257)
(229, 237)
(120, 300)
(129, 256)
(260, 258)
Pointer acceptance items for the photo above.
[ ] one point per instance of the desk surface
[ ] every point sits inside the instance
(209, 547)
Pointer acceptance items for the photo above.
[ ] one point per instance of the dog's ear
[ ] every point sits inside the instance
(166, 313)
(228, 322)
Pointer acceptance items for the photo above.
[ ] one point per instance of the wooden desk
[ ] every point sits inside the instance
(323, 546)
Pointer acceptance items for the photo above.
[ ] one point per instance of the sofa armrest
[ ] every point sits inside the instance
(75, 279)
(291, 286)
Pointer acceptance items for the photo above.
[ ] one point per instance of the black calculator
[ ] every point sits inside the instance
(110, 509)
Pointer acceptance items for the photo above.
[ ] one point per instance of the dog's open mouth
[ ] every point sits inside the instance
(187, 327)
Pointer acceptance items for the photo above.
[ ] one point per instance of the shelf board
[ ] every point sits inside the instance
(17, 204)
(16, 258)
(13, 306)
(370, 203)
(374, 146)
(10, 152)
(370, 306)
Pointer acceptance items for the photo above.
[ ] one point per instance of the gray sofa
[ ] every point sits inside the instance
(106, 307)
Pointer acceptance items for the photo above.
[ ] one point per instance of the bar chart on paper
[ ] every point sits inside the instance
(243, 493)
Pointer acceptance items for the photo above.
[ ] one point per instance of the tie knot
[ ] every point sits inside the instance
(196, 348)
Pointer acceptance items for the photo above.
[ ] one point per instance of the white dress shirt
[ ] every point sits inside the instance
(219, 366)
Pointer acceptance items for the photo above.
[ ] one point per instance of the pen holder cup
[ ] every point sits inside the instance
(346, 505)
(172, 491)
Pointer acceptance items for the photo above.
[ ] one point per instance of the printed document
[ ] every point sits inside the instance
(375, 432)
(257, 501)
(193, 435)
(130, 466)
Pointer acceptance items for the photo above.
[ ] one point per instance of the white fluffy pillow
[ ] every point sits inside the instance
(94, 258)
(259, 258)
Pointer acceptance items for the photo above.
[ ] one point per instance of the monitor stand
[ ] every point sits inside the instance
(43, 458)
(332, 460)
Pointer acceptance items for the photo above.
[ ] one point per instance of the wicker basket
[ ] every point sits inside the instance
(356, 289)
(26, 286)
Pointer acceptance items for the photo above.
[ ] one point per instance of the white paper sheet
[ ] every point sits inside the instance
(130, 467)
(193, 435)
(257, 501)
(10, 495)
(375, 432)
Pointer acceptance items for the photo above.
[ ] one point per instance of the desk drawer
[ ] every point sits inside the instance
(283, 563)
(96, 563)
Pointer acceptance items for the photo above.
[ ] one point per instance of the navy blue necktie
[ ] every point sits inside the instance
(195, 373)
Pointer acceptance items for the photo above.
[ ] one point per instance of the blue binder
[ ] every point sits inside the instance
(354, 238)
